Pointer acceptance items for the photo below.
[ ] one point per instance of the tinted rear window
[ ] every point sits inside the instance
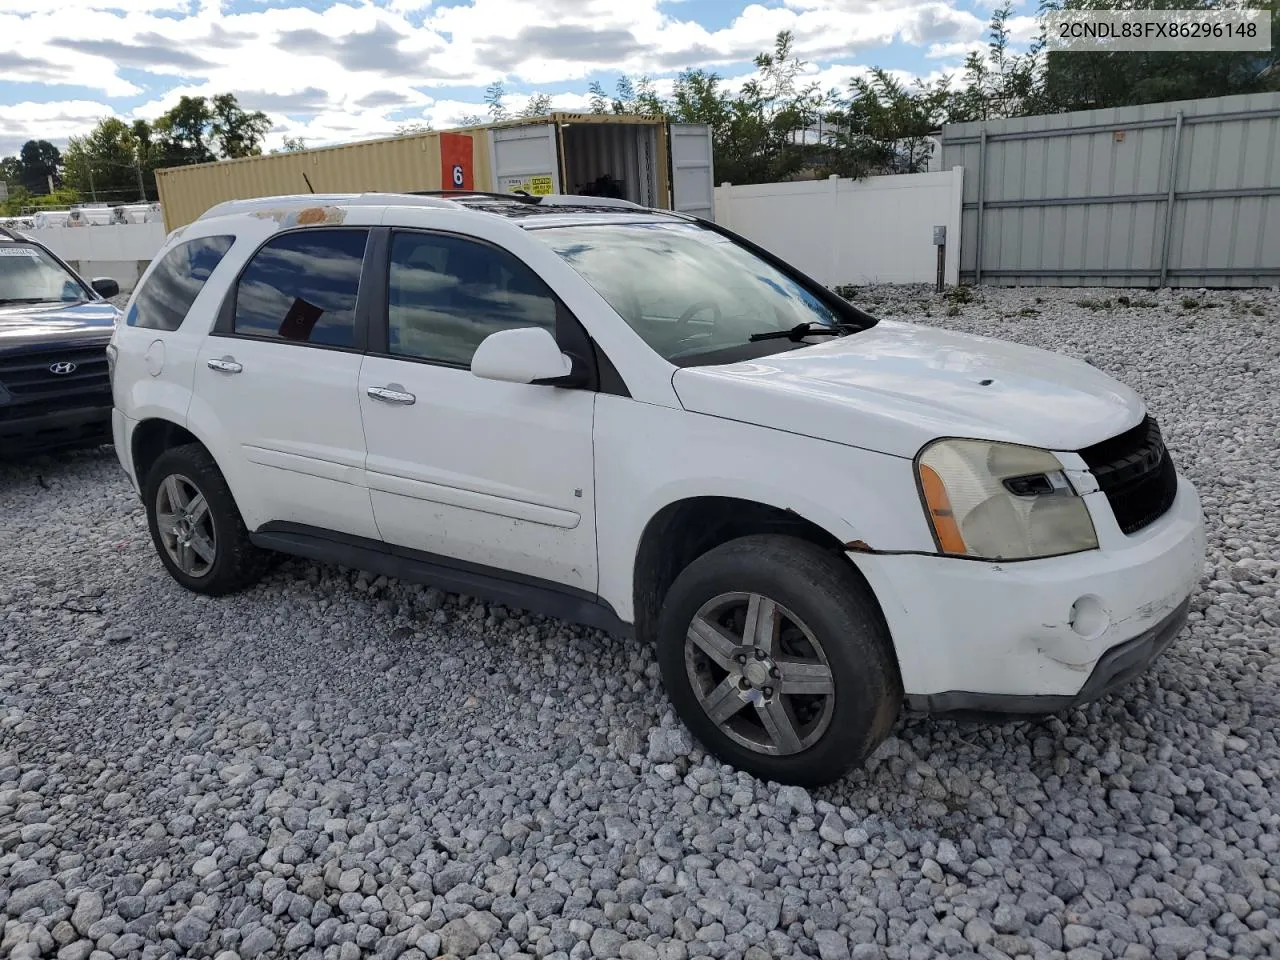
(302, 286)
(167, 296)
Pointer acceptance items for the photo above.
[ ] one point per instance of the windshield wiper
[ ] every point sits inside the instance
(802, 330)
(25, 300)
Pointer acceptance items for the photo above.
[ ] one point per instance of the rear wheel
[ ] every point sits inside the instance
(195, 524)
(776, 656)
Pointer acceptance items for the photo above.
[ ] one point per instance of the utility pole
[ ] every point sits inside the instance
(142, 191)
(93, 191)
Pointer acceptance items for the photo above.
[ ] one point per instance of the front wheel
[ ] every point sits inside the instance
(776, 656)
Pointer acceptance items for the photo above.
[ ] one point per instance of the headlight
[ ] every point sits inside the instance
(1001, 501)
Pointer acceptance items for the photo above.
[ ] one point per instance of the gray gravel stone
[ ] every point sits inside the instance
(191, 930)
(88, 910)
(831, 945)
(607, 944)
(1181, 940)
(44, 895)
(457, 938)
(256, 943)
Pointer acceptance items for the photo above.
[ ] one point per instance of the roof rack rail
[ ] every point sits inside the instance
(518, 196)
(549, 200)
(585, 200)
(11, 234)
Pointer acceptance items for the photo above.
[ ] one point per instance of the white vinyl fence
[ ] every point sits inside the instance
(841, 231)
(118, 250)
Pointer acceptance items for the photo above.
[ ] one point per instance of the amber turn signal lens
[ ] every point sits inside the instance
(940, 512)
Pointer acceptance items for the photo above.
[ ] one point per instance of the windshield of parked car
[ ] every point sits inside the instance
(29, 275)
(694, 295)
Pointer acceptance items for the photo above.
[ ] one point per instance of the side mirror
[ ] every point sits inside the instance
(104, 286)
(523, 355)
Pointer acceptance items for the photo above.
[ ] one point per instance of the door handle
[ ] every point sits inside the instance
(391, 395)
(225, 365)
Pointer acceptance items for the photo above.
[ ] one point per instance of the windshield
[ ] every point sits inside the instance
(29, 275)
(688, 291)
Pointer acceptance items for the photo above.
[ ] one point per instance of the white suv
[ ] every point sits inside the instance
(639, 421)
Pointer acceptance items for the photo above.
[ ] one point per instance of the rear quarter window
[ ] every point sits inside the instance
(168, 293)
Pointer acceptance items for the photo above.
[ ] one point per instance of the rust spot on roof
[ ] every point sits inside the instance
(305, 217)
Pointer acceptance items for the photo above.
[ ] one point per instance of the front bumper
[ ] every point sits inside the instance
(1040, 635)
(1113, 670)
(56, 430)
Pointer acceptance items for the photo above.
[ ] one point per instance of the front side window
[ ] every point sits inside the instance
(176, 281)
(302, 286)
(29, 275)
(689, 292)
(447, 293)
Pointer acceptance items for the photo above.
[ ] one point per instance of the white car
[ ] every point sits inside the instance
(636, 420)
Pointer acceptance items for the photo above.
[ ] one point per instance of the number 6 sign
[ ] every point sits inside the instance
(455, 161)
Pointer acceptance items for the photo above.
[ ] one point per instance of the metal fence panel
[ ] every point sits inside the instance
(1184, 193)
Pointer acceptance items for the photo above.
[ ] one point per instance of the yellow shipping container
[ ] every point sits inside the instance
(647, 160)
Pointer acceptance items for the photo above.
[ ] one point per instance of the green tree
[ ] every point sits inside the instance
(235, 131)
(23, 201)
(539, 105)
(494, 96)
(598, 101)
(998, 83)
(37, 162)
(11, 172)
(885, 126)
(630, 96)
(183, 133)
(103, 164)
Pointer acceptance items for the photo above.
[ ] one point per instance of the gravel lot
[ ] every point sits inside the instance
(339, 767)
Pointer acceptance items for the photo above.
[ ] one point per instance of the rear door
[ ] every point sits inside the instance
(278, 376)
(692, 172)
(525, 158)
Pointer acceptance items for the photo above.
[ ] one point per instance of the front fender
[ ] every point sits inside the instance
(649, 457)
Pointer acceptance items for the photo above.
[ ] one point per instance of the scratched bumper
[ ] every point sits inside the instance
(1113, 670)
(1041, 634)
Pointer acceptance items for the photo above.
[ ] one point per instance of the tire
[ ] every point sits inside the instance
(225, 559)
(819, 597)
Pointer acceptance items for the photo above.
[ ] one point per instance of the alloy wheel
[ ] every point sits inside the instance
(759, 673)
(186, 526)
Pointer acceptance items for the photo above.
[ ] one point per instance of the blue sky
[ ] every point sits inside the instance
(335, 70)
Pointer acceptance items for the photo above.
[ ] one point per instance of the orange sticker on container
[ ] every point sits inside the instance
(455, 162)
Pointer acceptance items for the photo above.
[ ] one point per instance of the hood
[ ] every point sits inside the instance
(896, 386)
(37, 324)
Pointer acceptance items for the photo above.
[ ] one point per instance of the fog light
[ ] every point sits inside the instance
(1089, 619)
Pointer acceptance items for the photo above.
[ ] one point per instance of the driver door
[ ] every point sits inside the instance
(480, 471)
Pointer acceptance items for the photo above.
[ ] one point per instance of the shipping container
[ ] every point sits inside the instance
(644, 159)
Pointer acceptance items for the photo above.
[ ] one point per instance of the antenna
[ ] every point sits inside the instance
(309, 186)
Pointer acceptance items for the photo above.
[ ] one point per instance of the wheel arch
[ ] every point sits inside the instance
(686, 528)
(152, 436)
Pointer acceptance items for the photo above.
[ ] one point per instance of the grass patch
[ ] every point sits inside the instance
(1028, 312)
(1090, 304)
(960, 294)
(953, 311)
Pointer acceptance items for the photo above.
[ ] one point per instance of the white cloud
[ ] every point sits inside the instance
(55, 120)
(354, 67)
